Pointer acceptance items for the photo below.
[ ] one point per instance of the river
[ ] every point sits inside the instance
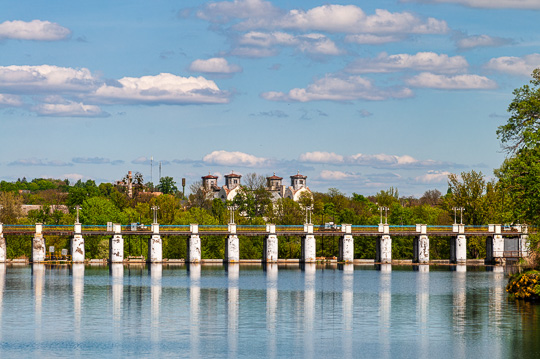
(263, 311)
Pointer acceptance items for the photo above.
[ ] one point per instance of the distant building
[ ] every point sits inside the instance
(274, 185)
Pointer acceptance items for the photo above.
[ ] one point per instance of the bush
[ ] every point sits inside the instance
(525, 286)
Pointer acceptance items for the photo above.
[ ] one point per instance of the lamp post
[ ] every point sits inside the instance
(155, 209)
(77, 208)
(385, 209)
(308, 210)
(460, 209)
(231, 213)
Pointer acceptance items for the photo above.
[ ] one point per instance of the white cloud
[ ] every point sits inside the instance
(164, 88)
(370, 39)
(34, 30)
(215, 65)
(422, 61)
(46, 78)
(488, 4)
(254, 52)
(474, 41)
(338, 175)
(74, 176)
(10, 101)
(515, 65)
(458, 82)
(39, 162)
(333, 88)
(69, 109)
(346, 19)
(224, 11)
(226, 158)
(433, 177)
(309, 43)
(320, 157)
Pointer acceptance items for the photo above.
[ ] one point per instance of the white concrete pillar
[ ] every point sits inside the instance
(458, 245)
(194, 245)
(384, 245)
(308, 245)
(155, 246)
(421, 245)
(38, 245)
(116, 245)
(232, 249)
(3, 247)
(77, 245)
(494, 244)
(524, 242)
(346, 244)
(270, 254)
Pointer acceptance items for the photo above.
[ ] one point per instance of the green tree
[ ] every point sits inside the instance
(97, 210)
(167, 185)
(522, 129)
(10, 207)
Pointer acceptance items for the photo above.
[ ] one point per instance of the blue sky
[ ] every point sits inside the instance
(356, 95)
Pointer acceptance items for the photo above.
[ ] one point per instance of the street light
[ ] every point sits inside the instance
(460, 209)
(77, 208)
(385, 209)
(308, 209)
(231, 213)
(155, 209)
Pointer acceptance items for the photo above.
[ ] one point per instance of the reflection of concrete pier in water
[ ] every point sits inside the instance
(77, 277)
(156, 272)
(460, 306)
(348, 309)
(38, 282)
(385, 308)
(116, 271)
(271, 306)
(310, 271)
(233, 272)
(422, 308)
(194, 270)
(2, 285)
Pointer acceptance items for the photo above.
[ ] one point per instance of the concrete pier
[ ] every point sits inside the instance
(38, 245)
(421, 245)
(155, 246)
(308, 245)
(494, 244)
(232, 249)
(458, 245)
(3, 247)
(77, 245)
(384, 245)
(270, 254)
(194, 245)
(116, 245)
(524, 241)
(346, 244)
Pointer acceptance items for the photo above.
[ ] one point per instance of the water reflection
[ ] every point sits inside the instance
(2, 285)
(497, 297)
(233, 271)
(194, 270)
(77, 277)
(422, 308)
(271, 306)
(385, 308)
(38, 282)
(347, 295)
(309, 307)
(156, 271)
(116, 271)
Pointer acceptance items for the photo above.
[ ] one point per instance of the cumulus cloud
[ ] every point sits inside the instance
(371, 39)
(69, 109)
(64, 91)
(422, 61)
(380, 160)
(515, 65)
(225, 11)
(345, 19)
(433, 177)
(321, 157)
(464, 42)
(334, 88)
(37, 30)
(215, 65)
(92, 160)
(226, 158)
(309, 43)
(488, 4)
(338, 175)
(458, 82)
(39, 162)
(10, 101)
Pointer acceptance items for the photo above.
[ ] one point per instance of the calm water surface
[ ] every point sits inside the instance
(263, 311)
